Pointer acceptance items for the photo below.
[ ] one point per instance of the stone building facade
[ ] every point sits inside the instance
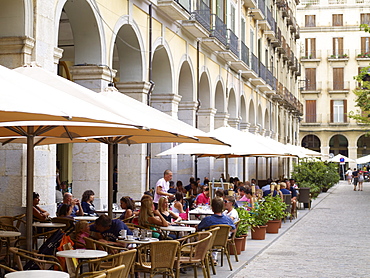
(213, 63)
(333, 49)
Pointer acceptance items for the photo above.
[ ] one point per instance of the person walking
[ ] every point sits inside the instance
(349, 175)
(355, 178)
(360, 181)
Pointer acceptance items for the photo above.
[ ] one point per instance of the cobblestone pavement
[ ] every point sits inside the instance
(332, 240)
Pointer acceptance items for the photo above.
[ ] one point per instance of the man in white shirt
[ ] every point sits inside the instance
(162, 187)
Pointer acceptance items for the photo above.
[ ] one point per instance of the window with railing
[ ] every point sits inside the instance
(203, 14)
(337, 19)
(365, 18)
(219, 29)
(310, 79)
(233, 42)
(244, 53)
(310, 49)
(186, 4)
(338, 79)
(336, 2)
(310, 2)
(338, 111)
(254, 63)
(262, 6)
(310, 21)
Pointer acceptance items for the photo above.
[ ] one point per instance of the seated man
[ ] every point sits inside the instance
(294, 195)
(107, 230)
(217, 218)
(75, 203)
(203, 198)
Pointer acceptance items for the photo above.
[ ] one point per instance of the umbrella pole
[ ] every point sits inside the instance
(256, 170)
(227, 167)
(267, 167)
(244, 169)
(29, 192)
(110, 179)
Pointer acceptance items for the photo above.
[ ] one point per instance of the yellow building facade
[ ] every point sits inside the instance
(207, 63)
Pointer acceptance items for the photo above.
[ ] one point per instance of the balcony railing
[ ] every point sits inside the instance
(254, 62)
(311, 55)
(338, 54)
(312, 118)
(203, 15)
(186, 4)
(219, 29)
(270, 79)
(245, 53)
(362, 53)
(233, 42)
(262, 71)
(312, 86)
(271, 21)
(262, 6)
(338, 85)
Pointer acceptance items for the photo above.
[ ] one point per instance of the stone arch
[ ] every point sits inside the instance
(243, 110)
(205, 91)
(16, 18)
(127, 52)
(81, 37)
(251, 114)
(231, 105)
(363, 145)
(186, 89)
(266, 124)
(220, 99)
(312, 142)
(259, 116)
(338, 144)
(162, 71)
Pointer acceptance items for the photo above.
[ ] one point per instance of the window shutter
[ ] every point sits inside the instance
(340, 46)
(310, 111)
(331, 110)
(311, 79)
(313, 48)
(338, 76)
(345, 110)
(337, 20)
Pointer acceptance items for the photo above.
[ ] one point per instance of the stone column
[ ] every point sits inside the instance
(131, 161)
(245, 126)
(235, 164)
(254, 129)
(352, 153)
(234, 122)
(16, 51)
(90, 161)
(221, 119)
(167, 103)
(186, 163)
(206, 122)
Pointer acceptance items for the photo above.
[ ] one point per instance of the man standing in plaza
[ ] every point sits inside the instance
(355, 178)
(161, 188)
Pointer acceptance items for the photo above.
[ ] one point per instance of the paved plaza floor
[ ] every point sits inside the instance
(332, 240)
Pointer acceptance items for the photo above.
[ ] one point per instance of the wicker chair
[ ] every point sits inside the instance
(195, 254)
(287, 199)
(117, 272)
(70, 225)
(231, 240)
(128, 219)
(98, 245)
(214, 232)
(220, 243)
(304, 196)
(42, 261)
(157, 257)
(6, 269)
(93, 274)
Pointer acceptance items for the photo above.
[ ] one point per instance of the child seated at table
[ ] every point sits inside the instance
(82, 231)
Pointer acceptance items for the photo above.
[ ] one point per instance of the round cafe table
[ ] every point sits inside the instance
(138, 241)
(48, 225)
(37, 274)
(178, 229)
(189, 222)
(8, 235)
(82, 254)
(86, 218)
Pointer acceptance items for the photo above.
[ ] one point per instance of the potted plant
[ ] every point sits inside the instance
(277, 212)
(244, 225)
(260, 214)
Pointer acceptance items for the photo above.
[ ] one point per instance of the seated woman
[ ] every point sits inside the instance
(165, 212)
(39, 214)
(82, 231)
(129, 206)
(178, 206)
(65, 211)
(87, 203)
(148, 215)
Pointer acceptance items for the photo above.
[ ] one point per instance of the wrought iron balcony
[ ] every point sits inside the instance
(245, 53)
(262, 71)
(262, 7)
(233, 42)
(219, 29)
(176, 9)
(338, 54)
(254, 63)
(203, 15)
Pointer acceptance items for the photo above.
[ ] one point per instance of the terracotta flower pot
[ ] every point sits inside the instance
(259, 232)
(244, 237)
(238, 245)
(273, 226)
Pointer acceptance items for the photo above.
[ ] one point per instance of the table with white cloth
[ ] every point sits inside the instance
(8, 235)
(178, 229)
(86, 218)
(193, 222)
(138, 241)
(82, 254)
(48, 225)
(37, 274)
(198, 212)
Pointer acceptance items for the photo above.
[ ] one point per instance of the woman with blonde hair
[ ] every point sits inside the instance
(165, 212)
(148, 215)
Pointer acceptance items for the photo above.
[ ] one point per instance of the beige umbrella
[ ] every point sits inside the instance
(29, 108)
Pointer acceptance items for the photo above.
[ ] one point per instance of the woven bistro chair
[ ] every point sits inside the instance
(157, 257)
(98, 245)
(195, 254)
(231, 240)
(93, 274)
(42, 261)
(220, 243)
(210, 245)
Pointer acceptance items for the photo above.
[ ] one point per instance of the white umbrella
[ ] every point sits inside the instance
(338, 158)
(363, 160)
